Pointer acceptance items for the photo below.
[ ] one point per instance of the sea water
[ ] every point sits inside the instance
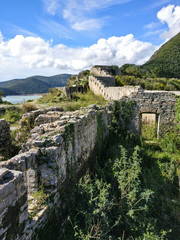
(20, 98)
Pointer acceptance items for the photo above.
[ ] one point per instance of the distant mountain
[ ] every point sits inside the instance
(31, 85)
(7, 91)
(166, 61)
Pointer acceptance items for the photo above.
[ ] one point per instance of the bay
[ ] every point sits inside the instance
(20, 98)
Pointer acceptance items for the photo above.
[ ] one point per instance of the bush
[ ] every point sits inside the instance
(149, 83)
(28, 107)
(12, 115)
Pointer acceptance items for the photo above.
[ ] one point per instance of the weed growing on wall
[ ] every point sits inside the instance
(38, 202)
(122, 115)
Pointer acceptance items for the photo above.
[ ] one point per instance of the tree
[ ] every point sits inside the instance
(1, 95)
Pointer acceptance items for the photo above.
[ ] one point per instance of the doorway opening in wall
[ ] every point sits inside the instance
(149, 126)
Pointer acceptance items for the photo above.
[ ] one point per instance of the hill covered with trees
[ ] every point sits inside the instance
(161, 72)
(165, 61)
(34, 84)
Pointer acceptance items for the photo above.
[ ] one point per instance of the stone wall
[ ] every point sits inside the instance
(105, 86)
(162, 104)
(104, 71)
(61, 147)
(69, 91)
(13, 204)
(55, 154)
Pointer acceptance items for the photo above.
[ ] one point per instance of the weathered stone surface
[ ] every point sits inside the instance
(58, 149)
(13, 204)
(55, 153)
(161, 103)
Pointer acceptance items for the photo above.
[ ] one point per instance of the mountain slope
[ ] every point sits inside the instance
(7, 91)
(35, 84)
(166, 61)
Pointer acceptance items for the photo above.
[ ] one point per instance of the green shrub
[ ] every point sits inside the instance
(12, 115)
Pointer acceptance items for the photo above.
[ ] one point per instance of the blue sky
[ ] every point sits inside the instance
(49, 37)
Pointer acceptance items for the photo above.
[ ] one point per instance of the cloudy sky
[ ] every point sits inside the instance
(48, 37)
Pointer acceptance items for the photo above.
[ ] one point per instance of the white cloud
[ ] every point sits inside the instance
(25, 56)
(1, 37)
(88, 25)
(78, 13)
(171, 16)
(152, 25)
(51, 6)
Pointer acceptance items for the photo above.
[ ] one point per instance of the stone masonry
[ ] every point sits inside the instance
(160, 103)
(57, 151)
(13, 204)
(61, 147)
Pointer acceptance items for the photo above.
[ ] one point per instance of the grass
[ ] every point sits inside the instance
(14, 114)
(149, 132)
(79, 100)
(39, 201)
(28, 107)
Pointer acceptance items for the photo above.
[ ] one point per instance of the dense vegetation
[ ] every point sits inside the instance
(31, 85)
(161, 72)
(133, 191)
(80, 79)
(165, 62)
(149, 83)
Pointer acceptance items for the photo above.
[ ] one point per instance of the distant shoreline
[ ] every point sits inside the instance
(14, 99)
(32, 94)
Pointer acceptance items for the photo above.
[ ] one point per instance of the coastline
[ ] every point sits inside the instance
(15, 99)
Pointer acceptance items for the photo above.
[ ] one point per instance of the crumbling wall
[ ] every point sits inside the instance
(13, 204)
(105, 86)
(69, 91)
(54, 155)
(162, 104)
(105, 71)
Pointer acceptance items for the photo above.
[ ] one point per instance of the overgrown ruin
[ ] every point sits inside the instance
(61, 147)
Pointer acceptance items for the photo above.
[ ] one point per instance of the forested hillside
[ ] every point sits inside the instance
(31, 85)
(166, 61)
(161, 72)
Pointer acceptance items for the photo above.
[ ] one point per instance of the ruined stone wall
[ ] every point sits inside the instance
(162, 104)
(55, 154)
(69, 91)
(13, 204)
(105, 86)
(104, 71)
